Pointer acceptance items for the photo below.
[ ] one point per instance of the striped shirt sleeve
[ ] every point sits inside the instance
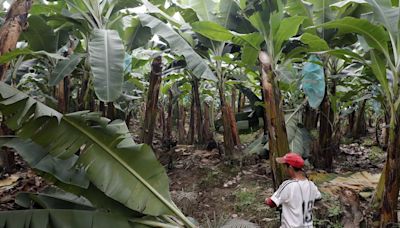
(282, 195)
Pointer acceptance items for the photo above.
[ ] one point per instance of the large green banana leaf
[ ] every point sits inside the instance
(38, 158)
(123, 170)
(64, 68)
(63, 174)
(179, 46)
(375, 35)
(299, 139)
(224, 12)
(40, 36)
(51, 218)
(106, 55)
(136, 35)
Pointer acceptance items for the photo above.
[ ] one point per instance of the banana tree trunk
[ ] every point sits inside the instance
(161, 119)
(168, 128)
(325, 151)
(181, 124)
(232, 121)
(278, 141)
(128, 119)
(152, 100)
(231, 135)
(206, 125)
(191, 123)
(239, 104)
(264, 116)
(16, 21)
(110, 111)
(351, 119)
(390, 176)
(233, 99)
(198, 111)
(310, 118)
(7, 158)
(63, 94)
(359, 127)
(102, 108)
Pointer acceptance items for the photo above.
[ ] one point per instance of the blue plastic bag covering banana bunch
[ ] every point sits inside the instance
(313, 81)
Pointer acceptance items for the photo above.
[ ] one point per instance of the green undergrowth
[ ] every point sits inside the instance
(249, 200)
(245, 198)
(376, 154)
(329, 213)
(368, 142)
(249, 138)
(216, 176)
(212, 178)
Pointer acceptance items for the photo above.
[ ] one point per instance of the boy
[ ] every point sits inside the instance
(297, 195)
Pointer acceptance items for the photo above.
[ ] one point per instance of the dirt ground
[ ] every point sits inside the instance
(212, 190)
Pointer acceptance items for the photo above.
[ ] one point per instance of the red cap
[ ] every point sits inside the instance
(291, 159)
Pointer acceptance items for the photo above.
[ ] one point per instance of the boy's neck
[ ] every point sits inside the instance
(299, 176)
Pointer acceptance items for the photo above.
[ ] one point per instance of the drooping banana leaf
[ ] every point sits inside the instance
(299, 139)
(53, 218)
(53, 198)
(136, 35)
(64, 68)
(106, 55)
(123, 170)
(179, 46)
(62, 174)
(39, 159)
(7, 57)
(40, 35)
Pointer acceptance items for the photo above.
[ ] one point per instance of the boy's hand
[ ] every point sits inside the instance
(269, 202)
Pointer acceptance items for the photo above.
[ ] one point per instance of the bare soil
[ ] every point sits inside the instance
(212, 190)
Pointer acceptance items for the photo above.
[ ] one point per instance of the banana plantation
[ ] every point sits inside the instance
(172, 113)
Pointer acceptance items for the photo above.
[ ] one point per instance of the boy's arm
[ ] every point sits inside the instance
(318, 195)
(282, 195)
(270, 203)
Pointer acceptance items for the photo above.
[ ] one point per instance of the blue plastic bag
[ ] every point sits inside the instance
(313, 81)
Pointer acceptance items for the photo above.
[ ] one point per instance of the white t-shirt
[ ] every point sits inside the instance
(297, 199)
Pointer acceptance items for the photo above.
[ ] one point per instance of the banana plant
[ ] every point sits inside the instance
(109, 158)
(74, 197)
(225, 12)
(101, 45)
(379, 31)
(274, 34)
(332, 49)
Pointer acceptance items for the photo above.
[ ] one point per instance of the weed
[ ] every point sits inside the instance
(244, 199)
(217, 221)
(375, 155)
(346, 141)
(333, 214)
(368, 142)
(212, 179)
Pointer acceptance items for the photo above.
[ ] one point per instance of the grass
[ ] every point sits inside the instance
(346, 141)
(376, 154)
(212, 178)
(331, 216)
(249, 138)
(245, 198)
(368, 142)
